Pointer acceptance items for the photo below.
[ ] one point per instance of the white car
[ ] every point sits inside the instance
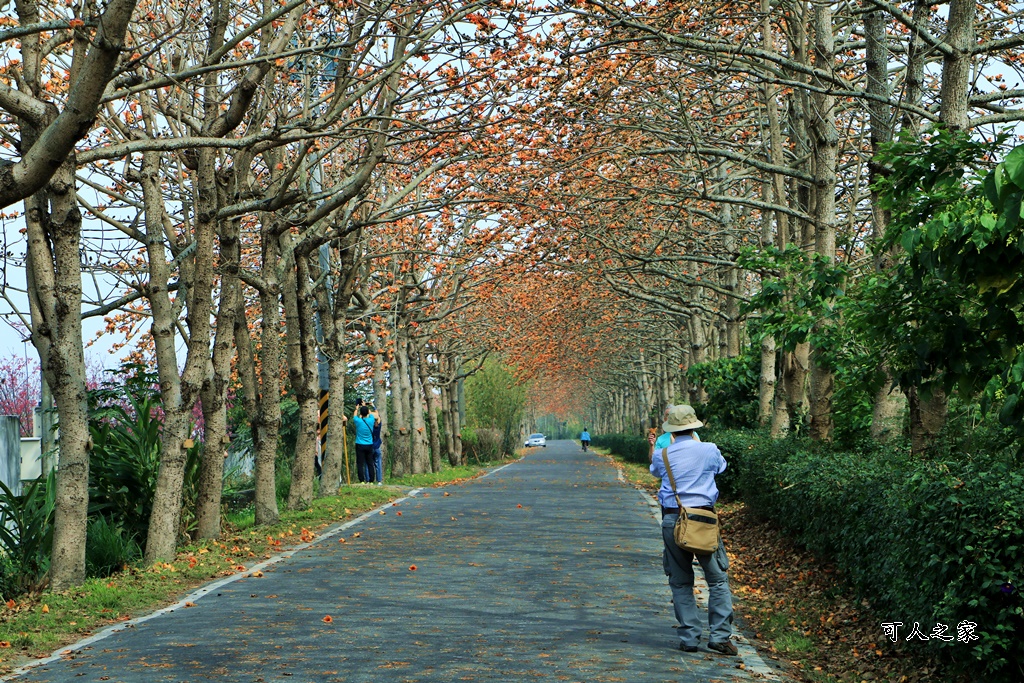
(536, 440)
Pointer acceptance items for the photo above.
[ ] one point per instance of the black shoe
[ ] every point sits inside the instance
(688, 648)
(724, 648)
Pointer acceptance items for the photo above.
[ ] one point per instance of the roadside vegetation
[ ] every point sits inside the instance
(803, 615)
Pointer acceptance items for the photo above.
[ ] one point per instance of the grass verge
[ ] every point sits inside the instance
(37, 625)
(796, 605)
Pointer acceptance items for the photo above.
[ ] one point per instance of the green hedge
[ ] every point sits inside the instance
(629, 446)
(925, 541)
(932, 542)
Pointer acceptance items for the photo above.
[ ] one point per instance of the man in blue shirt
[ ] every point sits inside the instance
(585, 438)
(694, 466)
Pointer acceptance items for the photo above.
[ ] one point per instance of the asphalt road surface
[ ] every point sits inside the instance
(547, 569)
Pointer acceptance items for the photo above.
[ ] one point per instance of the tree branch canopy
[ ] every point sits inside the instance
(38, 164)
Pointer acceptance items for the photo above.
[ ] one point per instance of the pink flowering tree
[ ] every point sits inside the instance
(19, 389)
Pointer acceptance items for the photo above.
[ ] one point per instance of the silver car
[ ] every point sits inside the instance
(536, 440)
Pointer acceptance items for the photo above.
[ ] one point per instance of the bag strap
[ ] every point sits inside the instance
(671, 478)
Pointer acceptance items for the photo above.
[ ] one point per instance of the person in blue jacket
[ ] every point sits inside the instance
(364, 422)
(585, 438)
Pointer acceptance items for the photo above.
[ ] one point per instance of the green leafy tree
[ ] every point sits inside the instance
(495, 400)
(949, 312)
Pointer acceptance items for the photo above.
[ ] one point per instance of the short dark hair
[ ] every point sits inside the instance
(364, 411)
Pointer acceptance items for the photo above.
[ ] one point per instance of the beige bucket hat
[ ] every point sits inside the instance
(680, 419)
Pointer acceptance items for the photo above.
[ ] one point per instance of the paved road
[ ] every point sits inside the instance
(548, 569)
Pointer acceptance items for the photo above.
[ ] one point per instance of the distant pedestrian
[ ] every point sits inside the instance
(694, 466)
(378, 461)
(364, 421)
(585, 439)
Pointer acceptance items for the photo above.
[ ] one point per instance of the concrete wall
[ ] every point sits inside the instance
(31, 458)
(10, 452)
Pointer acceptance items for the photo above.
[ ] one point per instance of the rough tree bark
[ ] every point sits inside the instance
(888, 401)
(824, 148)
(300, 353)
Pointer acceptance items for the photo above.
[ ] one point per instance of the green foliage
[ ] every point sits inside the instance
(799, 297)
(495, 400)
(925, 541)
(125, 424)
(26, 534)
(108, 548)
(483, 444)
(951, 310)
(124, 462)
(289, 431)
(732, 388)
(630, 447)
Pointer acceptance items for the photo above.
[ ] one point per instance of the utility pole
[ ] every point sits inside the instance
(44, 422)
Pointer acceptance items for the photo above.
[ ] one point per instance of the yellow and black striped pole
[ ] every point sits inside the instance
(324, 418)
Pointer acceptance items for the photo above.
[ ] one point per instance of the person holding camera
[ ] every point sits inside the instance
(694, 465)
(364, 420)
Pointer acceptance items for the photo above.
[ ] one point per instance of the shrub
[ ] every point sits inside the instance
(26, 534)
(629, 446)
(482, 445)
(10, 586)
(124, 462)
(932, 542)
(108, 548)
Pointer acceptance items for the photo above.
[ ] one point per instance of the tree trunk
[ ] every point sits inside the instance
(698, 355)
(401, 463)
(824, 147)
(887, 412)
(334, 459)
(455, 418)
(794, 381)
(380, 389)
(178, 392)
(55, 300)
(917, 53)
(214, 392)
(927, 417)
(420, 443)
(267, 422)
(446, 417)
(888, 401)
(766, 384)
(956, 67)
(432, 408)
(302, 364)
(246, 368)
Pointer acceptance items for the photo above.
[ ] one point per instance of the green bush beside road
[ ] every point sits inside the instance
(628, 446)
